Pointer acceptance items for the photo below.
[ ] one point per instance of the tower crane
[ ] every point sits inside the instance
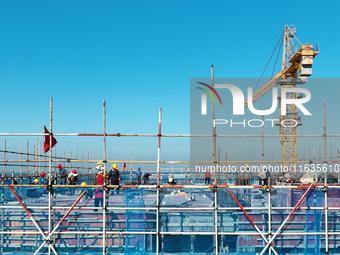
(296, 68)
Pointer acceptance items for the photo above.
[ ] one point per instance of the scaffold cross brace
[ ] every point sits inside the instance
(34, 222)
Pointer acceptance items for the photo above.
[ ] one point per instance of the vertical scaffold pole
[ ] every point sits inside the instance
(213, 127)
(3, 198)
(28, 148)
(216, 222)
(158, 178)
(269, 218)
(325, 162)
(159, 145)
(20, 163)
(36, 157)
(50, 175)
(4, 173)
(104, 190)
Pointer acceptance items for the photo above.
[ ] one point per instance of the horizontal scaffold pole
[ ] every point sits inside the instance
(163, 135)
(155, 162)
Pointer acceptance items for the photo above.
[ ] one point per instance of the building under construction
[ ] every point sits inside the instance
(238, 213)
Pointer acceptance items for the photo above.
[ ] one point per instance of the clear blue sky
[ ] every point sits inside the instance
(139, 56)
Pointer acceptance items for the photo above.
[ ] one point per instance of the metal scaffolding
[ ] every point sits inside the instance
(153, 219)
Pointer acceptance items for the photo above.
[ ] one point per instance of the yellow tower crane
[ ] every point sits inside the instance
(296, 68)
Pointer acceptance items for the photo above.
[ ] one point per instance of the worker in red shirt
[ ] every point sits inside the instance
(207, 177)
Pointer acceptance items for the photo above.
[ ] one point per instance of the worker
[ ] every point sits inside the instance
(245, 177)
(288, 178)
(139, 176)
(72, 177)
(62, 175)
(72, 180)
(146, 178)
(35, 182)
(34, 192)
(114, 175)
(265, 176)
(47, 179)
(171, 180)
(100, 175)
(207, 177)
(98, 198)
(89, 192)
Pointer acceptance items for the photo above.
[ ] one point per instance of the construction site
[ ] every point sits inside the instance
(240, 210)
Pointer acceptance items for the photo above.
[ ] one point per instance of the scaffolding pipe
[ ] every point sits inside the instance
(29, 215)
(20, 163)
(50, 178)
(172, 208)
(59, 223)
(326, 175)
(104, 177)
(164, 135)
(213, 128)
(279, 229)
(251, 221)
(162, 233)
(216, 222)
(159, 146)
(162, 162)
(157, 224)
(270, 221)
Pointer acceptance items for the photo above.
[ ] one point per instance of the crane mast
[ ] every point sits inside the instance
(296, 68)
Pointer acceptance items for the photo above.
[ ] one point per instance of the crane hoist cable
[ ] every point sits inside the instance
(280, 39)
(277, 57)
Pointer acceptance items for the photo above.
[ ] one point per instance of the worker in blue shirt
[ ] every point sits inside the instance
(139, 176)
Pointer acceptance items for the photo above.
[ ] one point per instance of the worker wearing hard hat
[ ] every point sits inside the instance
(171, 180)
(72, 180)
(35, 182)
(146, 178)
(89, 192)
(114, 175)
(139, 176)
(34, 192)
(100, 173)
(62, 174)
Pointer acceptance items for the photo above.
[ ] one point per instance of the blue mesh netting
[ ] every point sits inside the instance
(313, 221)
(187, 219)
(135, 221)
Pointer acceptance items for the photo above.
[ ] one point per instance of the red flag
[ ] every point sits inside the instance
(47, 141)
(124, 167)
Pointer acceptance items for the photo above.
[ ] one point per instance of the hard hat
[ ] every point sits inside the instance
(58, 166)
(114, 166)
(36, 181)
(247, 165)
(83, 183)
(74, 171)
(150, 174)
(100, 163)
(42, 174)
(138, 168)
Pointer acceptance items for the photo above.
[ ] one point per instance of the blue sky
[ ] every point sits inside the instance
(139, 56)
